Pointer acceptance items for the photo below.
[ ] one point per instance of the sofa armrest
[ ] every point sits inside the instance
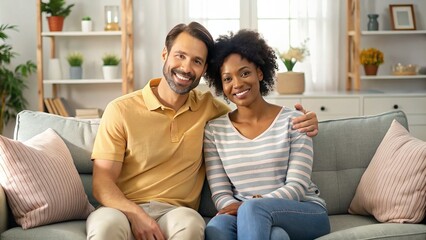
(3, 211)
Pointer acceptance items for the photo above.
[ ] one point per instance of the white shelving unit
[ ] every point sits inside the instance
(125, 39)
(354, 37)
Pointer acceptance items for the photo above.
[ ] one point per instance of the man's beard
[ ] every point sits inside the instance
(168, 75)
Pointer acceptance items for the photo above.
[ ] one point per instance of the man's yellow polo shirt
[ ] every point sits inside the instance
(161, 150)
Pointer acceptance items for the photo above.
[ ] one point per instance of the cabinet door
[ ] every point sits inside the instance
(332, 108)
(413, 107)
(283, 101)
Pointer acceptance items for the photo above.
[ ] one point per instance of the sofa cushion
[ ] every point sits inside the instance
(342, 151)
(362, 227)
(78, 135)
(70, 230)
(393, 188)
(41, 181)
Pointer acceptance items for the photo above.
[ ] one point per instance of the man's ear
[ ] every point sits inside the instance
(205, 69)
(164, 53)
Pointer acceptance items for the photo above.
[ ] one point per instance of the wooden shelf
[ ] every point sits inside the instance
(393, 32)
(393, 77)
(126, 43)
(81, 81)
(81, 34)
(353, 41)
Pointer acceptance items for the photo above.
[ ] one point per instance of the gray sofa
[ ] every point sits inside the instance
(343, 149)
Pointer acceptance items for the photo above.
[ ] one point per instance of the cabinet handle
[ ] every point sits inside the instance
(322, 108)
(395, 106)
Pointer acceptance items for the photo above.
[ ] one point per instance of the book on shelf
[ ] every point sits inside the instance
(56, 106)
(87, 113)
(59, 103)
(48, 105)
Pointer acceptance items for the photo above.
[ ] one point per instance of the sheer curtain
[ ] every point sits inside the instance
(316, 20)
(323, 32)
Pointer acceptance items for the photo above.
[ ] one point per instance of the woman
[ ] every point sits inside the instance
(258, 167)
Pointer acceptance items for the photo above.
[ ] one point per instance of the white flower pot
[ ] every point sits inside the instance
(110, 72)
(290, 82)
(86, 25)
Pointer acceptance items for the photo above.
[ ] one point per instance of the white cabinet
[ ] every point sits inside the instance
(334, 106)
(413, 106)
(325, 106)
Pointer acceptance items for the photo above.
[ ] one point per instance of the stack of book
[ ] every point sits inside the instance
(87, 113)
(56, 106)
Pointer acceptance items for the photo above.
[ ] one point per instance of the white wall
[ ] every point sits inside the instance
(150, 29)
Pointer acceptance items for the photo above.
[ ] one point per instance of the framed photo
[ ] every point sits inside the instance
(402, 16)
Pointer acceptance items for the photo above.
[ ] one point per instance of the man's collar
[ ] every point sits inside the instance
(152, 102)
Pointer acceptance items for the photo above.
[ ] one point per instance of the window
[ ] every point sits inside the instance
(283, 23)
(279, 21)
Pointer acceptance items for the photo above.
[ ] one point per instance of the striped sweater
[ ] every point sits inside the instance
(275, 164)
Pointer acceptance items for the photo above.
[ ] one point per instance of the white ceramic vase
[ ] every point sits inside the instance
(290, 82)
(55, 70)
(110, 72)
(86, 25)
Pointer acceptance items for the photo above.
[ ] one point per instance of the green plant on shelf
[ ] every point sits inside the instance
(56, 8)
(75, 59)
(110, 59)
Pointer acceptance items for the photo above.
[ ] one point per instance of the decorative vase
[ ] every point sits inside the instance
(56, 23)
(76, 72)
(55, 70)
(112, 18)
(290, 82)
(371, 69)
(86, 25)
(110, 72)
(373, 24)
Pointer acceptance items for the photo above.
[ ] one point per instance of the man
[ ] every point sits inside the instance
(148, 169)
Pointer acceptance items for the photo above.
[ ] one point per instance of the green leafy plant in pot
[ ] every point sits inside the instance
(12, 82)
(75, 60)
(56, 11)
(110, 66)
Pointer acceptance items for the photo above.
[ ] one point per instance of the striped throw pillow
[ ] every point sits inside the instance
(41, 182)
(393, 187)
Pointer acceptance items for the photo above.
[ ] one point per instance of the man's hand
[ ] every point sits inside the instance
(307, 123)
(144, 227)
(231, 209)
(106, 191)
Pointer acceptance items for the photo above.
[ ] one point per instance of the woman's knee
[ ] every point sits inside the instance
(222, 227)
(278, 233)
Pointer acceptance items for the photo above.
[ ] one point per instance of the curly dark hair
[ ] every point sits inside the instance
(251, 46)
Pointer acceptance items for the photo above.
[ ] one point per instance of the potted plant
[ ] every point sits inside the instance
(12, 82)
(371, 58)
(75, 60)
(56, 11)
(110, 66)
(292, 82)
(86, 24)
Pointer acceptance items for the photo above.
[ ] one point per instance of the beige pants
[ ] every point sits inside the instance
(175, 222)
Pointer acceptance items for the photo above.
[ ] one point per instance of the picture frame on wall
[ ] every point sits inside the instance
(402, 16)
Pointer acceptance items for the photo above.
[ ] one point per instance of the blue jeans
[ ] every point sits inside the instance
(270, 218)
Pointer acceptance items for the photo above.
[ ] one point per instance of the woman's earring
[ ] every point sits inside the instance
(226, 99)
